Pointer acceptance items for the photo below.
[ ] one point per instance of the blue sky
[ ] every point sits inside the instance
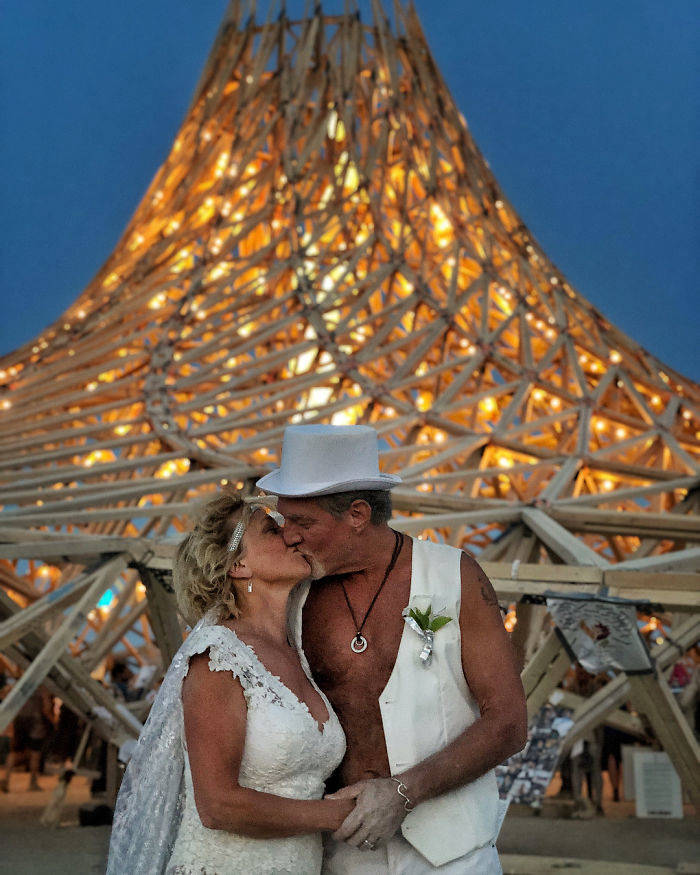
(587, 113)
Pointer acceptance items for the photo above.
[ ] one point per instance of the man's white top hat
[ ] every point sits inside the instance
(322, 459)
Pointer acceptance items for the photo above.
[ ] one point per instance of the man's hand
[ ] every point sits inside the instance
(378, 813)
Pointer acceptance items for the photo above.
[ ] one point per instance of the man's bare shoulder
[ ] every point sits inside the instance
(476, 587)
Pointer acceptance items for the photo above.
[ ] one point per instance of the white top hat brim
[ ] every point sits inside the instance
(276, 484)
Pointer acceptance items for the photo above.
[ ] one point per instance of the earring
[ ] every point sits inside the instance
(250, 586)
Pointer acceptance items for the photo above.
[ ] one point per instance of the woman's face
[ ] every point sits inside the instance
(265, 555)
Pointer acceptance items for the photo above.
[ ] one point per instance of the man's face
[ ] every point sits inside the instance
(324, 540)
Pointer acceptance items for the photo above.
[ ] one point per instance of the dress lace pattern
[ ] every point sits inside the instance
(285, 753)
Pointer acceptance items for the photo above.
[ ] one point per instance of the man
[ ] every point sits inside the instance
(426, 717)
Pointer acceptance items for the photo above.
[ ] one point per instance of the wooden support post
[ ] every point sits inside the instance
(112, 776)
(652, 696)
(544, 673)
(162, 612)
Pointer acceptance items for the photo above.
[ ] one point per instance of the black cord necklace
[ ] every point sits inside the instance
(359, 642)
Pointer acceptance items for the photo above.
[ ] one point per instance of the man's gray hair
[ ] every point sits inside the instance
(379, 501)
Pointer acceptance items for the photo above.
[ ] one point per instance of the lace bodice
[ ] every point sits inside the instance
(285, 753)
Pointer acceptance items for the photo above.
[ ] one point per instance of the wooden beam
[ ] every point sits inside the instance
(162, 612)
(680, 560)
(617, 522)
(14, 627)
(651, 695)
(561, 541)
(544, 673)
(32, 678)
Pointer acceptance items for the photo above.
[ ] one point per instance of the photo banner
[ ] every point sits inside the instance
(601, 634)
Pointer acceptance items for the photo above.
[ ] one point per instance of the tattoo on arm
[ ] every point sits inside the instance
(487, 592)
(489, 596)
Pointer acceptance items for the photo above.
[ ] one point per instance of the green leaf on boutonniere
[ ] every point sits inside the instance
(420, 618)
(438, 623)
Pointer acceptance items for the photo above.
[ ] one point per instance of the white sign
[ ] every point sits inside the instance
(657, 785)
(602, 635)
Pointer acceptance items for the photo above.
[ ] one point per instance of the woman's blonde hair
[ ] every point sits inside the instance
(203, 561)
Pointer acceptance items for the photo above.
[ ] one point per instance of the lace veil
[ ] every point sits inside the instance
(149, 806)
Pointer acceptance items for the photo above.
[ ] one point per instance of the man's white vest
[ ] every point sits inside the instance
(425, 708)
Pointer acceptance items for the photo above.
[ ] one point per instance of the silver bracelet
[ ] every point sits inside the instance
(402, 790)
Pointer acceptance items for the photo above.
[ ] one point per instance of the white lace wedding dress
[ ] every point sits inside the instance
(286, 753)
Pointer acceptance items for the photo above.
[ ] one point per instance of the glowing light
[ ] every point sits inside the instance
(6, 404)
(98, 456)
(620, 433)
(615, 357)
(106, 600)
(121, 430)
(555, 403)
(441, 224)
(687, 414)
(656, 400)
(599, 425)
(488, 405)
(343, 417)
(173, 466)
(91, 386)
(109, 283)
(538, 395)
(157, 301)
(424, 401)
(607, 485)
(505, 462)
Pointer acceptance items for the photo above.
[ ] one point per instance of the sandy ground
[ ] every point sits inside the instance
(600, 846)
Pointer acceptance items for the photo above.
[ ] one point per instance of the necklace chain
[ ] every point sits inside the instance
(359, 642)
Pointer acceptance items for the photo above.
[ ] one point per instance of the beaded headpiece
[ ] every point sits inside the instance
(253, 502)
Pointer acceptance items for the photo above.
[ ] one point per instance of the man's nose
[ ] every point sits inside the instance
(291, 535)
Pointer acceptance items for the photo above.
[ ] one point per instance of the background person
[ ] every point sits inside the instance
(31, 729)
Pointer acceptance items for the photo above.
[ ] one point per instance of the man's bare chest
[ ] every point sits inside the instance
(330, 629)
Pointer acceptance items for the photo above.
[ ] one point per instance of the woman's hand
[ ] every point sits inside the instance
(338, 811)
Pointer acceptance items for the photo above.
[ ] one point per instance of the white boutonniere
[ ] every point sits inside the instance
(420, 617)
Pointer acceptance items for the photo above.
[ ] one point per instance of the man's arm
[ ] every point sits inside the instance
(490, 668)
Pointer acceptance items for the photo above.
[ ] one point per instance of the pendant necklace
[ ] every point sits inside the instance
(359, 642)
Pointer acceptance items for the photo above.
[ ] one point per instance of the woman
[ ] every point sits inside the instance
(228, 774)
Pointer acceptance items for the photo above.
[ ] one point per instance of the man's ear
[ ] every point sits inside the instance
(240, 571)
(360, 514)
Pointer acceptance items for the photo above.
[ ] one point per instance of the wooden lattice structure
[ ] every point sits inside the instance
(325, 242)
